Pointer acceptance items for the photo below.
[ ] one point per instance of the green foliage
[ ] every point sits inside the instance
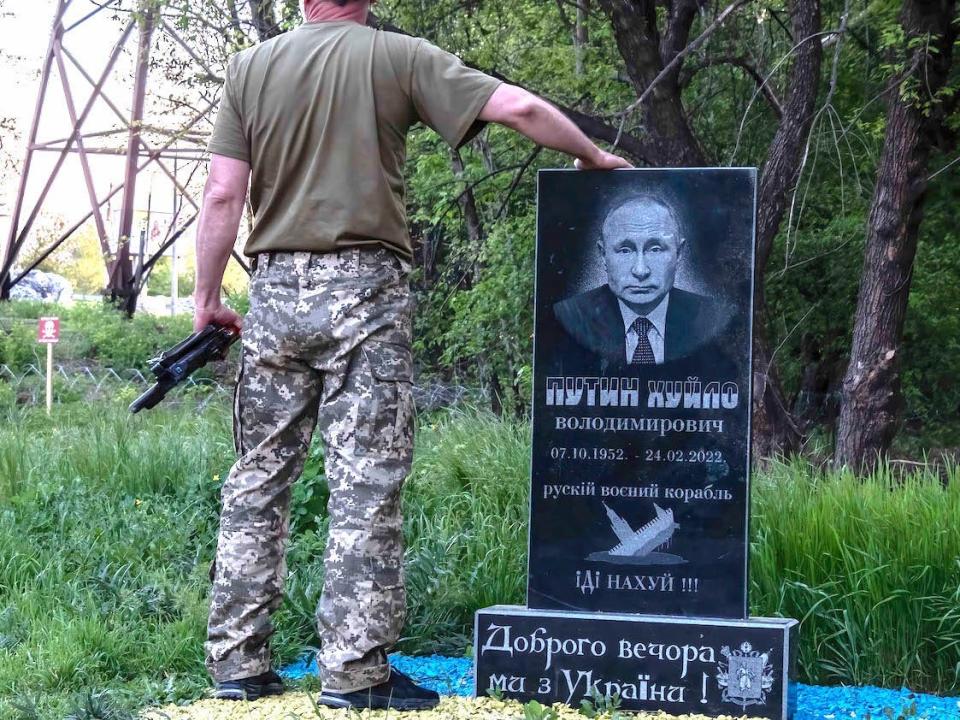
(97, 706)
(908, 711)
(465, 508)
(18, 345)
(79, 260)
(475, 293)
(116, 600)
(870, 567)
(310, 495)
(473, 322)
(89, 332)
(493, 320)
(535, 711)
(598, 705)
(107, 531)
(160, 278)
(932, 331)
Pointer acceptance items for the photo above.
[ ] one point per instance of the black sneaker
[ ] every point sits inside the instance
(250, 688)
(397, 693)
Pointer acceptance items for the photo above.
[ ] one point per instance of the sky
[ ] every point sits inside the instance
(24, 36)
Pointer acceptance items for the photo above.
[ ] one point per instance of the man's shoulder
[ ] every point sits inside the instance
(587, 303)
(398, 39)
(687, 300)
(695, 318)
(303, 34)
(242, 61)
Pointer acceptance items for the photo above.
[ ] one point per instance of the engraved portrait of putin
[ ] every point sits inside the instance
(639, 317)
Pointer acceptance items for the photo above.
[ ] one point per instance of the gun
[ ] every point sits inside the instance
(175, 365)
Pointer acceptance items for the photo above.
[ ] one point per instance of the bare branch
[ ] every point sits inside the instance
(516, 181)
(745, 65)
(675, 62)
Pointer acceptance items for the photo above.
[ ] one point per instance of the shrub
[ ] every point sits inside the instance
(90, 332)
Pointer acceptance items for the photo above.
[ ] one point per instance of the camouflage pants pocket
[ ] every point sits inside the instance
(387, 424)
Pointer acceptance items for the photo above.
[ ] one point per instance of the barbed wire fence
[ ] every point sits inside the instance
(93, 383)
(78, 377)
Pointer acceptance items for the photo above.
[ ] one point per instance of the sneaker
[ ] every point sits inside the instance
(397, 693)
(250, 688)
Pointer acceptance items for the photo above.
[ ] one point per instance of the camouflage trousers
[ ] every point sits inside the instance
(326, 344)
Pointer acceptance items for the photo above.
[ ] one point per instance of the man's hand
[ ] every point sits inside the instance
(601, 161)
(220, 314)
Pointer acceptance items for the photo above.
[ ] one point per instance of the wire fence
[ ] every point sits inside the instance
(83, 371)
(89, 382)
(74, 383)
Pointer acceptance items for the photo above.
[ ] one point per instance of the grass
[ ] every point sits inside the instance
(872, 568)
(107, 528)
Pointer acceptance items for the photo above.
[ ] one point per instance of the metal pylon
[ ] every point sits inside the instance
(125, 282)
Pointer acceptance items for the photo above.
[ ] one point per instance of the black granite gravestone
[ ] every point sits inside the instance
(639, 476)
(637, 576)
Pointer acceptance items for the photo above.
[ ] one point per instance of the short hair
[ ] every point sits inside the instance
(646, 199)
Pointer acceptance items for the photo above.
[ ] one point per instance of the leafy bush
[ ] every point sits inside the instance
(89, 332)
(162, 274)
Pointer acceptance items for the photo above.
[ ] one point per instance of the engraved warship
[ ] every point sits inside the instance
(645, 540)
(638, 546)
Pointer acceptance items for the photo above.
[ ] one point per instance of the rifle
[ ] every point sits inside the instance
(175, 365)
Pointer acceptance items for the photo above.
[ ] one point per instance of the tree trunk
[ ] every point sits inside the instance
(581, 35)
(468, 203)
(774, 430)
(264, 20)
(671, 141)
(871, 388)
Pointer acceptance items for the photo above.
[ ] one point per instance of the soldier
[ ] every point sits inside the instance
(316, 120)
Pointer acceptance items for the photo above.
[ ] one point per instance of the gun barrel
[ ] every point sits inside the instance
(151, 398)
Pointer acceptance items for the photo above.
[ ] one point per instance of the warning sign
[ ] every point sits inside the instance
(48, 330)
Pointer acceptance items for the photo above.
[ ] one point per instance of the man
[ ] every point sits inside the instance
(639, 317)
(316, 120)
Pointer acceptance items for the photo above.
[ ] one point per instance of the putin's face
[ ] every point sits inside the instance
(641, 245)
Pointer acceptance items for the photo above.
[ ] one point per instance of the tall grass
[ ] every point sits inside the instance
(871, 567)
(466, 510)
(107, 528)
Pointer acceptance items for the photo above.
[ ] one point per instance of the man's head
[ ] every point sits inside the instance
(331, 10)
(641, 244)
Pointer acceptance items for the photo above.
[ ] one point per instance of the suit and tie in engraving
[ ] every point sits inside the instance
(639, 318)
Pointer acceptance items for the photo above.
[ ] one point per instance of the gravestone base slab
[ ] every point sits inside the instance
(679, 665)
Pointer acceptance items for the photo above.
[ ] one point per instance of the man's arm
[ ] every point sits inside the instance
(223, 198)
(540, 121)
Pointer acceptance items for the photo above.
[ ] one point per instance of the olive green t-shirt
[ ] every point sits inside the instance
(321, 113)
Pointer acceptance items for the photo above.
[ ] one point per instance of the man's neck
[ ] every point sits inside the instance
(326, 11)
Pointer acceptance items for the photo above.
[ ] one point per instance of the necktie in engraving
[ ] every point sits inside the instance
(643, 355)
